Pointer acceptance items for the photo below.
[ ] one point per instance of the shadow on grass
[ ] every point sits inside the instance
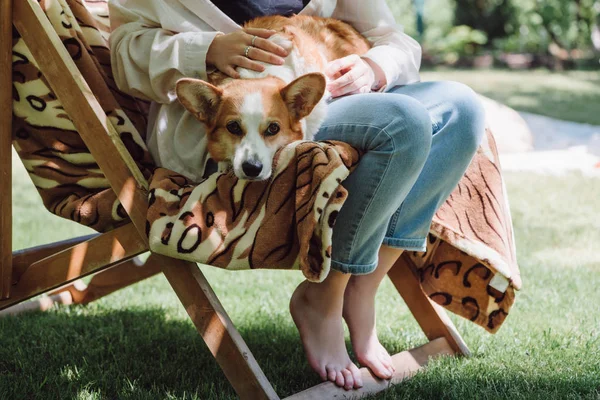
(132, 354)
(142, 354)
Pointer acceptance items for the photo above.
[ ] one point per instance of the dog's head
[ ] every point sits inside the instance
(248, 120)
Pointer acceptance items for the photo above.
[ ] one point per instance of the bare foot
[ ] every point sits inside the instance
(317, 312)
(359, 313)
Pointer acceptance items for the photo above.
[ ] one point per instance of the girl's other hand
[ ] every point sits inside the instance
(228, 51)
(351, 75)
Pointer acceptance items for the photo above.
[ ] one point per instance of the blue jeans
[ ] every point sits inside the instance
(419, 140)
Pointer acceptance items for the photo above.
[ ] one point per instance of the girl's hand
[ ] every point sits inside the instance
(228, 51)
(352, 75)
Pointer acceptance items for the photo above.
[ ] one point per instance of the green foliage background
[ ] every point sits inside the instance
(468, 27)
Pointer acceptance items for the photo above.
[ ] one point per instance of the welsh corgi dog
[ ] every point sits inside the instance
(248, 119)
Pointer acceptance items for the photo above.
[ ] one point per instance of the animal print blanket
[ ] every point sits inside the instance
(470, 265)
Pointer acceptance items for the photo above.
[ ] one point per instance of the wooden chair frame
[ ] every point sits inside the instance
(44, 269)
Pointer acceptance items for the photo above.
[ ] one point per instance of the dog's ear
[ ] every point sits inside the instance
(200, 98)
(303, 94)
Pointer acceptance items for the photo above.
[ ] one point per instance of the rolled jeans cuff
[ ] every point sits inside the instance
(354, 269)
(406, 244)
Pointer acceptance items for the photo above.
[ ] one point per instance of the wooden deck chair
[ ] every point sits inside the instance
(111, 256)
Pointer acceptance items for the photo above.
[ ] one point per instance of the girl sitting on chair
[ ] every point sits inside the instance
(418, 138)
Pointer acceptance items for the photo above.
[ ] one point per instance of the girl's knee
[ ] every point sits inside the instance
(383, 122)
(409, 127)
(468, 114)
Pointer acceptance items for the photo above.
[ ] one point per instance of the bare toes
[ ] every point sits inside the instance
(378, 368)
(348, 380)
(387, 361)
(339, 379)
(357, 376)
(331, 374)
(322, 373)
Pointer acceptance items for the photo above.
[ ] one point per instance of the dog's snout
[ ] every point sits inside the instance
(252, 168)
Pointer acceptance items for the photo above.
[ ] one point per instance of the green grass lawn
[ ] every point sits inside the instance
(139, 344)
(571, 95)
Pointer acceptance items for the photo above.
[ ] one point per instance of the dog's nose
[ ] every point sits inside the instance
(252, 168)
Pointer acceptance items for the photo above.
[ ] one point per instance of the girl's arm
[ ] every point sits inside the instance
(146, 59)
(397, 55)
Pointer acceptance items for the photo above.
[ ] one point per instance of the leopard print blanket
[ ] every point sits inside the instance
(470, 265)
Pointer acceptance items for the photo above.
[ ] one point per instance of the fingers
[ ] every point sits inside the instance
(348, 78)
(356, 76)
(362, 90)
(352, 76)
(261, 42)
(230, 71)
(248, 48)
(360, 85)
(269, 46)
(341, 64)
(247, 63)
(261, 55)
(260, 32)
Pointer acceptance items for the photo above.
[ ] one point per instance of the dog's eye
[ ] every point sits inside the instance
(234, 128)
(273, 129)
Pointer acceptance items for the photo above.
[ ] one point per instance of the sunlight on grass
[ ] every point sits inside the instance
(571, 95)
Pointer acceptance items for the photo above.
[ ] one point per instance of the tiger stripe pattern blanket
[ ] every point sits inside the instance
(283, 223)
(470, 265)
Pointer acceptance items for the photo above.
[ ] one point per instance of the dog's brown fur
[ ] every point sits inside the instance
(336, 39)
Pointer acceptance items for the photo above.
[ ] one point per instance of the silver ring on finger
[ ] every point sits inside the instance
(253, 40)
(246, 51)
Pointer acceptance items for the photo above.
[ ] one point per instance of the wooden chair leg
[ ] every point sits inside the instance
(5, 147)
(217, 330)
(431, 316)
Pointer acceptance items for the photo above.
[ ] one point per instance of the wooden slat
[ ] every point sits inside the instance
(102, 284)
(217, 330)
(112, 279)
(41, 304)
(407, 363)
(96, 254)
(432, 318)
(88, 117)
(22, 259)
(5, 147)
